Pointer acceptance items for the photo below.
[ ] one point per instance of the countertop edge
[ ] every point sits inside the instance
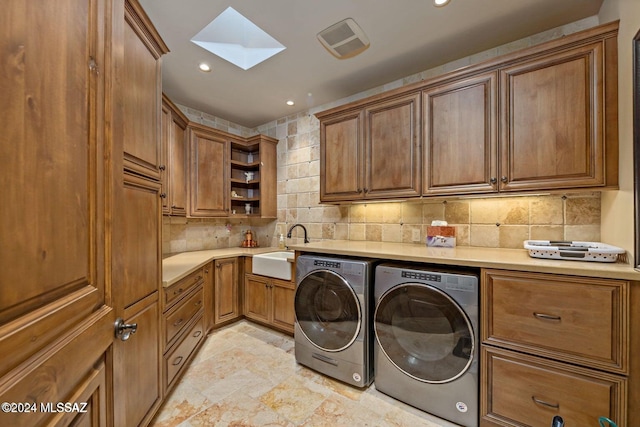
(180, 265)
(495, 258)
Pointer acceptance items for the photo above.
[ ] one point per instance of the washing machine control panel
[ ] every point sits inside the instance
(417, 275)
(324, 263)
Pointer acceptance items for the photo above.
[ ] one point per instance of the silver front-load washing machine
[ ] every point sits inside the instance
(426, 339)
(333, 334)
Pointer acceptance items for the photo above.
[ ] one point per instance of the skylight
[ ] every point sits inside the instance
(236, 39)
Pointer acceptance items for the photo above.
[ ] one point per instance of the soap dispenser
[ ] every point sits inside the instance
(281, 241)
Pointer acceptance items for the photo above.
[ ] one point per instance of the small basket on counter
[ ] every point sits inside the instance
(573, 250)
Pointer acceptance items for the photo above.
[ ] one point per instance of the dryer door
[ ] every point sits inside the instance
(424, 333)
(327, 310)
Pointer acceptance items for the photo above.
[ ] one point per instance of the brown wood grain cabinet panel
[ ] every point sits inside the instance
(56, 322)
(208, 195)
(392, 148)
(136, 237)
(525, 390)
(579, 320)
(270, 301)
(226, 298)
(141, 102)
(173, 169)
(283, 312)
(552, 110)
(50, 153)
(137, 374)
(460, 136)
(257, 298)
(342, 157)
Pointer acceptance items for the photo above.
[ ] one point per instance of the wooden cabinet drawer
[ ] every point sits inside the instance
(575, 319)
(177, 290)
(526, 390)
(177, 358)
(176, 320)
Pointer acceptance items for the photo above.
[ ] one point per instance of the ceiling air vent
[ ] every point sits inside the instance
(344, 39)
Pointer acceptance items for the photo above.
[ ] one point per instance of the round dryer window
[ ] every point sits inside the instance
(327, 310)
(424, 333)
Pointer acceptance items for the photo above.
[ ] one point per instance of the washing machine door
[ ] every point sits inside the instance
(327, 310)
(424, 333)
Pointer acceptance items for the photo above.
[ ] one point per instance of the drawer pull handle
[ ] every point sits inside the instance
(547, 316)
(198, 278)
(547, 404)
(179, 291)
(177, 361)
(197, 334)
(178, 322)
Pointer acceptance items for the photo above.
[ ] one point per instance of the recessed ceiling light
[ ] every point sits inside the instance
(290, 102)
(204, 67)
(440, 3)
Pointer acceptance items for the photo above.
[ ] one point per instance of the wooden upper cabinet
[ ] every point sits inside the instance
(554, 133)
(208, 154)
(392, 148)
(142, 74)
(460, 128)
(174, 154)
(372, 152)
(541, 119)
(342, 157)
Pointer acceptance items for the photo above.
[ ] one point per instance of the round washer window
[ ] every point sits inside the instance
(424, 333)
(327, 310)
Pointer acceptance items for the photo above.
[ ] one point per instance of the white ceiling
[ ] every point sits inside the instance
(407, 36)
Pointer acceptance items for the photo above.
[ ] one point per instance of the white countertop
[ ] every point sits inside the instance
(178, 266)
(510, 259)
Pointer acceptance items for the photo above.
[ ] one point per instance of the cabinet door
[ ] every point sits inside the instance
(137, 364)
(209, 295)
(257, 298)
(165, 167)
(282, 304)
(460, 140)
(342, 157)
(552, 111)
(55, 315)
(141, 101)
(520, 390)
(177, 164)
(226, 300)
(392, 148)
(208, 196)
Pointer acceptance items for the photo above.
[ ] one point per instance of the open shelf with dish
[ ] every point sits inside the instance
(252, 177)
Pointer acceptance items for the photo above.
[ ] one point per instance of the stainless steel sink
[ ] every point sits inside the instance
(273, 264)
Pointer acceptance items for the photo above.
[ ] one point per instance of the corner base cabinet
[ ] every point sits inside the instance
(270, 301)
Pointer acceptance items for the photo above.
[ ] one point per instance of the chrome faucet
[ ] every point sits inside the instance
(306, 239)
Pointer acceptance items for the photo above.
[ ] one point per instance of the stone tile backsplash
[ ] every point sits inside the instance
(503, 222)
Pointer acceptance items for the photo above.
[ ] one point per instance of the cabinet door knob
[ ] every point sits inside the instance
(163, 195)
(162, 167)
(504, 179)
(359, 190)
(124, 330)
(493, 180)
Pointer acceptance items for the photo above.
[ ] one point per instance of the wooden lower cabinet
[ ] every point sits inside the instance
(554, 345)
(183, 325)
(269, 301)
(522, 390)
(226, 299)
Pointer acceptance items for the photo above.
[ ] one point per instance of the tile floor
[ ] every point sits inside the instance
(246, 375)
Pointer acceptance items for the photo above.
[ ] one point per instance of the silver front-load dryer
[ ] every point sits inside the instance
(333, 334)
(426, 339)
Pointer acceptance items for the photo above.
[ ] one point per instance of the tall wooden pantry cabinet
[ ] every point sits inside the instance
(80, 236)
